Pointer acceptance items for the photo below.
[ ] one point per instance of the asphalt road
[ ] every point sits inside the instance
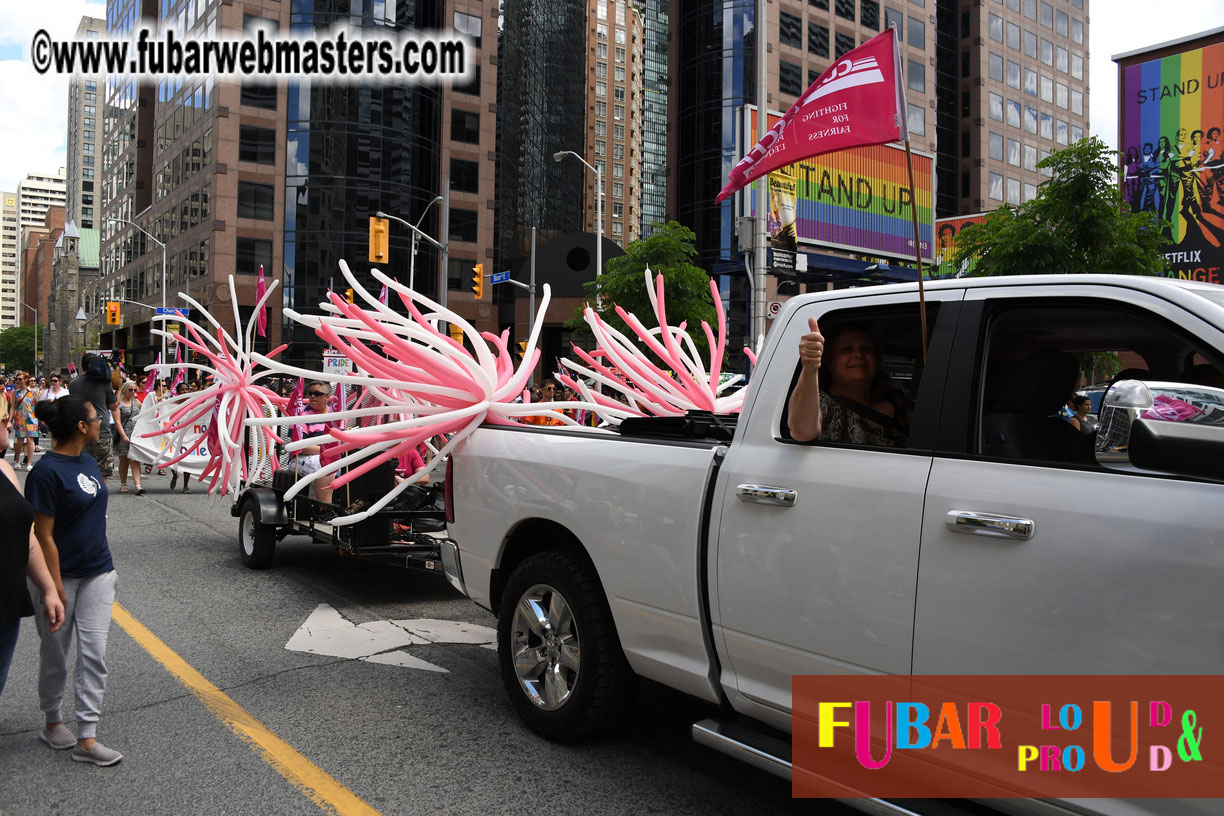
(404, 741)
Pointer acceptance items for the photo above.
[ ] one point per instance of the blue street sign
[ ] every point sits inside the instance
(170, 310)
(500, 277)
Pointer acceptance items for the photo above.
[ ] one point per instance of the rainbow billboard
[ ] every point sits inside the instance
(1172, 113)
(857, 200)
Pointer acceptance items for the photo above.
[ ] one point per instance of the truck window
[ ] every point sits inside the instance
(867, 383)
(1045, 359)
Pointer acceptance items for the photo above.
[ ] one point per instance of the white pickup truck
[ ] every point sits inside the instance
(995, 540)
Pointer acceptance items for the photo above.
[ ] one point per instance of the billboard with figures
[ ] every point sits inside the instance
(946, 230)
(857, 199)
(1172, 113)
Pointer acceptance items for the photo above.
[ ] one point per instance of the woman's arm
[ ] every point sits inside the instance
(44, 529)
(803, 413)
(1075, 423)
(53, 598)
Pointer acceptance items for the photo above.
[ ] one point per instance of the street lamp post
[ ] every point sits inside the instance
(417, 234)
(33, 309)
(163, 249)
(558, 156)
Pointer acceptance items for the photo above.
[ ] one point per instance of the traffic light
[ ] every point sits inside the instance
(112, 313)
(522, 344)
(348, 295)
(380, 240)
(478, 280)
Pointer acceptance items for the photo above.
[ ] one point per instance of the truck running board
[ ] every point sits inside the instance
(773, 755)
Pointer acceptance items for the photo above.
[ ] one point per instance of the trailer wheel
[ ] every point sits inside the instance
(256, 540)
(561, 660)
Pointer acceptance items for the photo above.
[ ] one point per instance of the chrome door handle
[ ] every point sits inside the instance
(764, 494)
(966, 521)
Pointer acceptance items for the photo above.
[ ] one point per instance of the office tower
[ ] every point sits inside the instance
(8, 260)
(238, 174)
(85, 137)
(654, 114)
(614, 122)
(1016, 92)
(713, 73)
(37, 195)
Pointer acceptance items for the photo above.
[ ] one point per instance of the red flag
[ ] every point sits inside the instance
(152, 380)
(181, 374)
(859, 100)
(261, 321)
(294, 407)
(382, 296)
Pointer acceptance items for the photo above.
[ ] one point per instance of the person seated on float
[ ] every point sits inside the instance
(307, 460)
(843, 393)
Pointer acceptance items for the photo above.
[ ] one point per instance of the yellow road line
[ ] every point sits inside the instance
(315, 783)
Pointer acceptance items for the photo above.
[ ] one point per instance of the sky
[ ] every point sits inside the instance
(34, 109)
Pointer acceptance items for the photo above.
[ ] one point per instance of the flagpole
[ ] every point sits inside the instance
(909, 164)
(757, 282)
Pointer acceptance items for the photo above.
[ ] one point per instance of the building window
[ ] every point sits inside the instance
(601, 89)
(1077, 66)
(1030, 191)
(1013, 74)
(618, 132)
(1030, 9)
(620, 55)
(465, 176)
(1046, 130)
(1047, 15)
(618, 94)
(1061, 134)
(995, 27)
(465, 126)
(1077, 31)
(996, 146)
(996, 186)
(1062, 26)
(790, 79)
(257, 144)
(601, 127)
(601, 148)
(468, 24)
(818, 39)
(1030, 158)
(869, 14)
(258, 95)
(916, 119)
(463, 225)
(1013, 36)
(472, 87)
(601, 50)
(995, 62)
(916, 33)
(1030, 82)
(618, 171)
(601, 110)
(1060, 95)
(1013, 152)
(619, 112)
(915, 76)
(843, 43)
(601, 70)
(820, 4)
(790, 29)
(1047, 52)
(1030, 120)
(618, 209)
(620, 73)
(251, 253)
(618, 151)
(895, 19)
(1061, 62)
(617, 228)
(1077, 133)
(1013, 191)
(618, 190)
(1030, 44)
(1077, 103)
(1013, 113)
(844, 9)
(255, 200)
(1047, 89)
(458, 273)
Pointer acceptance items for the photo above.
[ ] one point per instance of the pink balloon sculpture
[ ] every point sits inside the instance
(647, 388)
(232, 398)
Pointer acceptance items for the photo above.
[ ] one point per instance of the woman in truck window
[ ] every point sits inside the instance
(843, 393)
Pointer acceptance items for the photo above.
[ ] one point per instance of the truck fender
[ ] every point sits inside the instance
(268, 504)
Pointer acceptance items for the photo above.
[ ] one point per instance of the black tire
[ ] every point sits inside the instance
(603, 684)
(256, 540)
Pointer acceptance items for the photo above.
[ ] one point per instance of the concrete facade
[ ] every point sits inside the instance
(85, 109)
(8, 260)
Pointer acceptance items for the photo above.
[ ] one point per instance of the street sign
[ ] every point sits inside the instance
(500, 277)
(170, 310)
(775, 308)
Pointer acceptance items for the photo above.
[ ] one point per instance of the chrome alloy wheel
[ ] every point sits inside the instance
(544, 643)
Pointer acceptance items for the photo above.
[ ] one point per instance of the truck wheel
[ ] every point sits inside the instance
(561, 660)
(256, 540)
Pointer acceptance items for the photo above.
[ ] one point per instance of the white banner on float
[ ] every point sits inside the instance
(153, 418)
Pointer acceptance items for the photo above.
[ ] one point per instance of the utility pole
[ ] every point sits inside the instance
(757, 322)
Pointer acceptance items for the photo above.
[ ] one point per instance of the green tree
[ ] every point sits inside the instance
(668, 251)
(1078, 222)
(17, 349)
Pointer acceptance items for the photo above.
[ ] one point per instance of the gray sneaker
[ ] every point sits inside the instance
(98, 755)
(59, 738)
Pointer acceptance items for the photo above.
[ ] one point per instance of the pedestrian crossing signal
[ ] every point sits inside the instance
(478, 280)
(522, 344)
(112, 313)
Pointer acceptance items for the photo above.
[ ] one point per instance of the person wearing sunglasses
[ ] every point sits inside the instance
(68, 495)
(22, 419)
(307, 460)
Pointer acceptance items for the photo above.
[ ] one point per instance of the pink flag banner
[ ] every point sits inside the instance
(152, 380)
(261, 321)
(383, 297)
(859, 100)
(181, 373)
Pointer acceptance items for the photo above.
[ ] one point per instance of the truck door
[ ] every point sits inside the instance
(1036, 559)
(817, 544)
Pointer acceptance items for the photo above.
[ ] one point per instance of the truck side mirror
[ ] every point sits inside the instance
(1164, 427)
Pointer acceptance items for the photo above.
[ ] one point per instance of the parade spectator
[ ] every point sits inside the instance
(68, 495)
(55, 389)
(22, 419)
(1082, 406)
(847, 398)
(548, 391)
(94, 385)
(129, 408)
(20, 557)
